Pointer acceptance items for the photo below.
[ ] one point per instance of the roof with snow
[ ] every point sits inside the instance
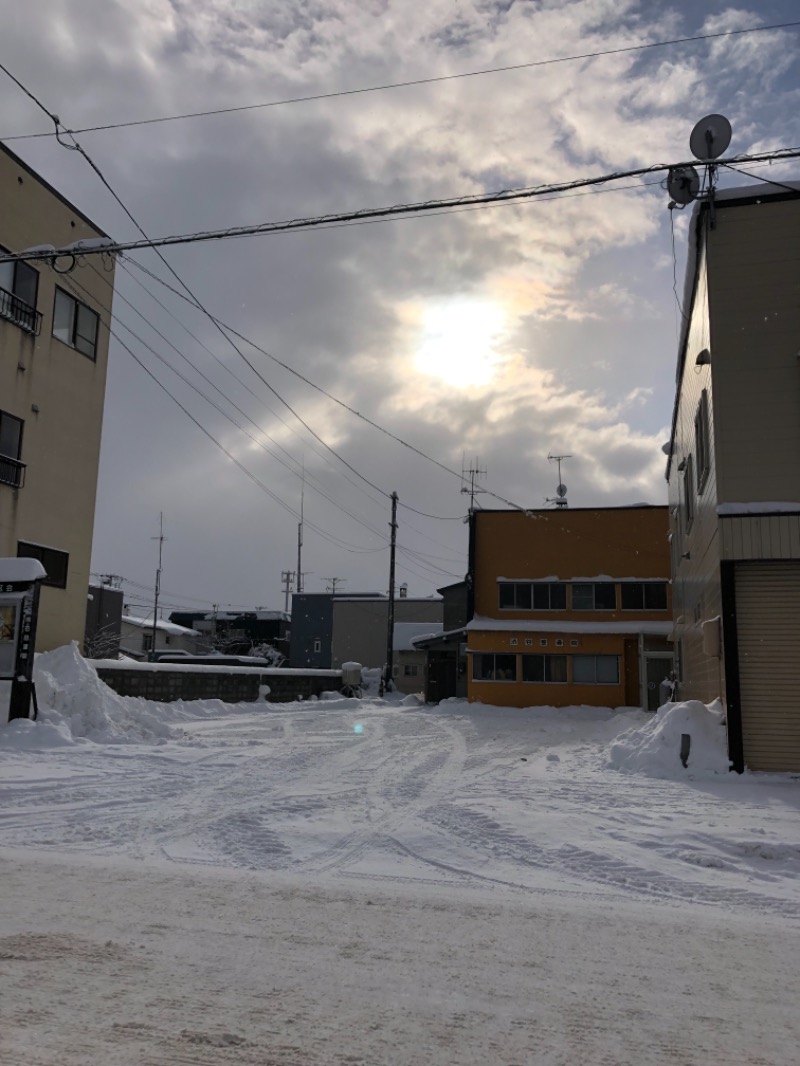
(21, 570)
(405, 633)
(165, 627)
(521, 625)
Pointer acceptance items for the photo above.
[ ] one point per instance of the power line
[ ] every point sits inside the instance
(404, 84)
(75, 146)
(510, 195)
(273, 496)
(336, 400)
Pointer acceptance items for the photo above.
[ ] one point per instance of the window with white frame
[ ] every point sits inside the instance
(594, 596)
(488, 666)
(533, 595)
(544, 669)
(644, 595)
(317, 646)
(75, 324)
(595, 669)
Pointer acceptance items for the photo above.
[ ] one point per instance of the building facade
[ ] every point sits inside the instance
(53, 358)
(733, 472)
(239, 633)
(571, 606)
(409, 671)
(330, 629)
(136, 637)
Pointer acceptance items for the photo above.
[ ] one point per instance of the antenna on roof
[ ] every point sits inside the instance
(560, 498)
(709, 139)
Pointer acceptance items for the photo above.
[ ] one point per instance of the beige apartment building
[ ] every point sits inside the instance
(53, 358)
(734, 473)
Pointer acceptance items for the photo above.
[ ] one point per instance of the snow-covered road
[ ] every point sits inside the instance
(370, 882)
(454, 795)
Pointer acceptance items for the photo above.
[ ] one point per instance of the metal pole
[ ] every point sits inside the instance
(160, 539)
(300, 533)
(390, 620)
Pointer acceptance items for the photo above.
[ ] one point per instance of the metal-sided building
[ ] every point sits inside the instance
(734, 472)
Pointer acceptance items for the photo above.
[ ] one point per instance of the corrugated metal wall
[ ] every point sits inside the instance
(768, 621)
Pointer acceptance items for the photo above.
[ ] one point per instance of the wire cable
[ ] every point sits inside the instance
(510, 195)
(407, 84)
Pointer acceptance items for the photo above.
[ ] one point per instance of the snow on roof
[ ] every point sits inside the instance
(596, 577)
(510, 625)
(21, 570)
(166, 627)
(261, 616)
(757, 507)
(405, 633)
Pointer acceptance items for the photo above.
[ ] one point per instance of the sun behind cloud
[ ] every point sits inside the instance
(459, 342)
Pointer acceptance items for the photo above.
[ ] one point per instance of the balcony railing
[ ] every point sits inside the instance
(12, 472)
(21, 314)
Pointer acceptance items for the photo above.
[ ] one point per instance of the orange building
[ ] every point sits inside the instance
(570, 606)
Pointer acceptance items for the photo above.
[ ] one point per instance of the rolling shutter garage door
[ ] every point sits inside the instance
(768, 623)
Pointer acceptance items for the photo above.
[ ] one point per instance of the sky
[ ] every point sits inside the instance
(487, 338)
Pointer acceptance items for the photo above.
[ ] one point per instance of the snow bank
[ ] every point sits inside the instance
(654, 749)
(74, 701)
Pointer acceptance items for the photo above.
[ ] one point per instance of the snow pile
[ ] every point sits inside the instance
(655, 748)
(75, 703)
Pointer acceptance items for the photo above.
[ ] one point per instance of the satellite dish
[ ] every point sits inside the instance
(710, 137)
(683, 184)
(561, 491)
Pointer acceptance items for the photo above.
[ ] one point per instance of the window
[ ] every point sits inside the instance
(594, 597)
(317, 646)
(702, 443)
(528, 642)
(545, 669)
(147, 641)
(533, 595)
(688, 493)
(75, 324)
(513, 642)
(19, 287)
(11, 469)
(543, 641)
(487, 666)
(410, 670)
(595, 669)
(56, 563)
(644, 595)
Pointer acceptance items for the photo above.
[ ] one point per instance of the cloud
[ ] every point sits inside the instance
(567, 306)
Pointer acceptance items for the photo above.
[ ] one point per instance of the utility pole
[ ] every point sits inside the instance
(300, 531)
(160, 538)
(333, 582)
(287, 577)
(390, 619)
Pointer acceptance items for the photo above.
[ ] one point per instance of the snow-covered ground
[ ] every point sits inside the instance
(381, 882)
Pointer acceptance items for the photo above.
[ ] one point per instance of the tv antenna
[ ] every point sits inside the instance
(709, 139)
(560, 498)
(475, 471)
